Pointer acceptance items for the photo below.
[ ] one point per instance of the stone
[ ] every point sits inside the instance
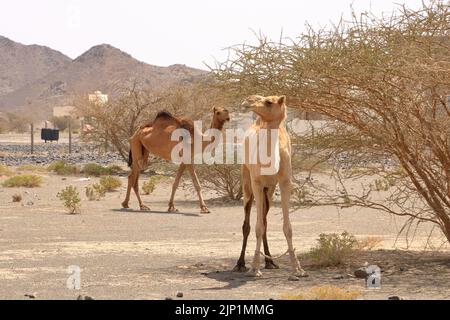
(361, 273)
(179, 294)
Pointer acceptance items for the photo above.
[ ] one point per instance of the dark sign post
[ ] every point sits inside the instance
(70, 134)
(32, 137)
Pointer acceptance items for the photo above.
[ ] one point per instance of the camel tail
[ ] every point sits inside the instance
(130, 159)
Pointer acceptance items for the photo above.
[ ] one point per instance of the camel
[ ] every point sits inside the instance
(271, 112)
(155, 138)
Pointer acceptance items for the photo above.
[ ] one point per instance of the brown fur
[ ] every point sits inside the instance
(156, 139)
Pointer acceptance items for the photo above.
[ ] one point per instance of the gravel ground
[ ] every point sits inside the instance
(128, 254)
(16, 152)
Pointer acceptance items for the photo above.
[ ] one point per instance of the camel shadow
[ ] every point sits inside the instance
(233, 279)
(158, 212)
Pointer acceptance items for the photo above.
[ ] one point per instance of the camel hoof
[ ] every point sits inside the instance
(172, 209)
(145, 208)
(240, 268)
(255, 274)
(204, 209)
(301, 273)
(271, 265)
(125, 205)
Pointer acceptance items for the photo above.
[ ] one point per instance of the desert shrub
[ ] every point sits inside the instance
(95, 192)
(16, 197)
(333, 249)
(5, 171)
(326, 292)
(23, 180)
(96, 170)
(149, 186)
(110, 183)
(31, 168)
(369, 243)
(224, 179)
(62, 168)
(71, 199)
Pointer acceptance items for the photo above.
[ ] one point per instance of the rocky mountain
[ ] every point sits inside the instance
(21, 65)
(102, 67)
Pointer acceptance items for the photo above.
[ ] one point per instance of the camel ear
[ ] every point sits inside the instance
(281, 100)
(213, 109)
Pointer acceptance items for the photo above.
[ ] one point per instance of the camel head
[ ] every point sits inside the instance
(269, 108)
(220, 116)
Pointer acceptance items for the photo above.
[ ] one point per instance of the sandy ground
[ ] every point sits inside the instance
(127, 254)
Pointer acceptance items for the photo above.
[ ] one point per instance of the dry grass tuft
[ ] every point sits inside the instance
(23, 180)
(326, 292)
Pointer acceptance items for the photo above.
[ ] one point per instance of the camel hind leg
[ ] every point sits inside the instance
(136, 161)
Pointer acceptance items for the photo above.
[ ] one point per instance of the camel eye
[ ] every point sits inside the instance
(269, 102)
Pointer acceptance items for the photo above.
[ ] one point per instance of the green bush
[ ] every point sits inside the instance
(62, 168)
(110, 183)
(95, 191)
(149, 186)
(23, 180)
(70, 198)
(333, 249)
(96, 170)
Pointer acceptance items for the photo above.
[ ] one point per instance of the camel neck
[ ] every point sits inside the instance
(275, 124)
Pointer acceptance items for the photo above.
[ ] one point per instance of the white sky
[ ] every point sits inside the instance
(172, 31)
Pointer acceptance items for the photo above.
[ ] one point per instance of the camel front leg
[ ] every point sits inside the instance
(180, 171)
(285, 189)
(258, 194)
(240, 265)
(203, 207)
(270, 264)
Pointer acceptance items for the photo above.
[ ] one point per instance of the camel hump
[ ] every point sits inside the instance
(164, 115)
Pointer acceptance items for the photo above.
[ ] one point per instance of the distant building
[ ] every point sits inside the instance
(98, 98)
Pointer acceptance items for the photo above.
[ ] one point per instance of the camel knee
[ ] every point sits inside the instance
(287, 229)
(259, 230)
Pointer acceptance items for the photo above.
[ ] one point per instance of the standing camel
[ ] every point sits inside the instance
(155, 138)
(259, 185)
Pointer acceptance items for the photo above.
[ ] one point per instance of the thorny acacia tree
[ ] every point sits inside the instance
(384, 82)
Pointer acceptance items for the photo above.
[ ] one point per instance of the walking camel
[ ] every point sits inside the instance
(155, 138)
(259, 185)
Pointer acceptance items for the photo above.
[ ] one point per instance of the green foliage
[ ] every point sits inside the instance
(110, 183)
(383, 184)
(149, 186)
(95, 192)
(96, 170)
(333, 249)
(62, 168)
(71, 199)
(23, 180)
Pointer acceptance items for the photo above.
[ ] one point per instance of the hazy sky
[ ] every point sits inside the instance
(171, 31)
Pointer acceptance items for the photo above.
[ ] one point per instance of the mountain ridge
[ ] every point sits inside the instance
(101, 67)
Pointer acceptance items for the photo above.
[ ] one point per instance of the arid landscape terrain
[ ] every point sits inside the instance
(129, 254)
